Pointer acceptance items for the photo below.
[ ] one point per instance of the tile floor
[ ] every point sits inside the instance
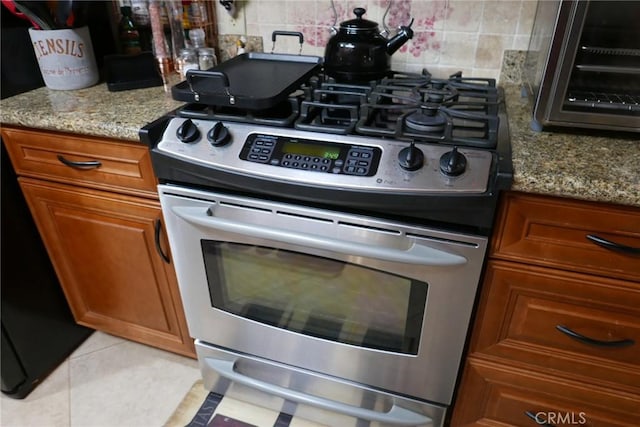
(106, 382)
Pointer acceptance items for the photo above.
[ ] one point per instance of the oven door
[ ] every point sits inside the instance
(371, 301)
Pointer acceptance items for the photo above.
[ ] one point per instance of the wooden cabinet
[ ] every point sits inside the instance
(557, 330)
(95, 205)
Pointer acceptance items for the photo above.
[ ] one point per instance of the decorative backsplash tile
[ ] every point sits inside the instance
(450, 35)
(228, 45)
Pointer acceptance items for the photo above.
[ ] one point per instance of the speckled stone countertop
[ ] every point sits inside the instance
(599, 168)
(604, 167)
(91, 111)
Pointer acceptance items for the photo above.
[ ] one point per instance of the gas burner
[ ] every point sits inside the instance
(457, 111)
(426, 120)
(467, 124)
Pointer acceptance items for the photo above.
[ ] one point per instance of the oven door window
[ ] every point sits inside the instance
(316, 296)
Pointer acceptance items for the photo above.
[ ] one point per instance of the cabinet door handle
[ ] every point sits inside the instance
(534, 416)
(158, 228)
(613, 246)
(590, 341)
(91, 164)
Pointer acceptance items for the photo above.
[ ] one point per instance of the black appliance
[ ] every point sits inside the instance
(583, 65)
(38, 330)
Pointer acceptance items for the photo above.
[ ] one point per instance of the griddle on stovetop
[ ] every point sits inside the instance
(253, 81)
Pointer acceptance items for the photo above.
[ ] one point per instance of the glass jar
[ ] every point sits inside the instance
(207, 58)
(188, 60)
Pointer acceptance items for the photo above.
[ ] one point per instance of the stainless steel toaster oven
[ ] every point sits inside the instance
(582, 68)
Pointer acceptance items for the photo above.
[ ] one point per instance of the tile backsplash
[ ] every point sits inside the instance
(450, 35)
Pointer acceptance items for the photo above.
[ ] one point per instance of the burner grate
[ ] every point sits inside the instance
(466, 124)
(417, 107)
(459, 110)
(333, 108)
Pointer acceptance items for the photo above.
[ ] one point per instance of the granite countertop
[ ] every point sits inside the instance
(598, 168)
(579, 164)
(91, 111)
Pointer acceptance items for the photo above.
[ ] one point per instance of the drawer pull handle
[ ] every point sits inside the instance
(158, 228)
(594, 342)
(91, 164)
(537, 419)
(613, 246)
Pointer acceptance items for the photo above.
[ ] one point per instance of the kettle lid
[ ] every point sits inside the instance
(359, 24)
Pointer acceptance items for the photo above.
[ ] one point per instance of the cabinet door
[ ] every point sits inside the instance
(105, 251)
(494, 394)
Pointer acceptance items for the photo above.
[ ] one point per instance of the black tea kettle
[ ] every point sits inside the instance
(359, 53)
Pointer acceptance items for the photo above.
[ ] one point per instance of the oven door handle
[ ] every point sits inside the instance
(415, 254)
(396, 415)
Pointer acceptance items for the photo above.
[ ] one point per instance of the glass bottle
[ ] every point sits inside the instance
(198, 13)
(129, 36)
(160, 49)
(160, 46)
(174, 13)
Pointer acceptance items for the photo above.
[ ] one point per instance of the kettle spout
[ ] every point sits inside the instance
(404, 35)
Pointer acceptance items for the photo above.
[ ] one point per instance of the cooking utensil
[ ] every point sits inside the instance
(250, 81)
(11, 6)
(37, 12)
(79, 11)
(64, 13)
(359, 53)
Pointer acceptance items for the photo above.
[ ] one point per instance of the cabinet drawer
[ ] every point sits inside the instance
(93, 162)
(497, 395)
(553, 232)
(524, 306)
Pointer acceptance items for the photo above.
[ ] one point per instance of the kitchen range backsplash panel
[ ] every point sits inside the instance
(450, 35)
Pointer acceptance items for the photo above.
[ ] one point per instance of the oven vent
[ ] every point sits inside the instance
(310, 217)
(371, 228)
(241, 206)
(442, 239)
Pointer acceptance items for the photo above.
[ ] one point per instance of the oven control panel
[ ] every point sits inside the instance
(371, 164)
(314, 156)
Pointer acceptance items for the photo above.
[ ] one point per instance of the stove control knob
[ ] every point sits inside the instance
(411, 158)
(218, 135)
(453, 163)
(188, 132)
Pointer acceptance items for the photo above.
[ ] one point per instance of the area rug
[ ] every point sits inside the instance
(200, 408)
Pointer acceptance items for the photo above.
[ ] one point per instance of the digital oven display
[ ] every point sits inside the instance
(311, 155)
(313, 150)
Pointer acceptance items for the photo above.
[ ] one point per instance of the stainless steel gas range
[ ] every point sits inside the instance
(329, 248)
